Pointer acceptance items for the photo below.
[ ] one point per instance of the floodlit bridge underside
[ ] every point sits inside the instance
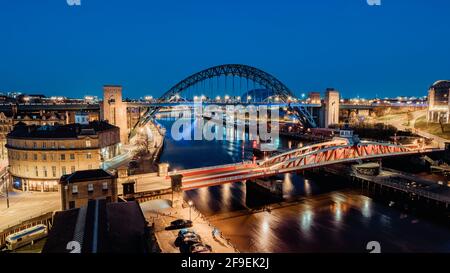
(318, 155)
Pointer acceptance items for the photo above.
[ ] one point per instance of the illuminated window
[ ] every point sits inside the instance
(74, 189)
(63, 157)
(54, 171)
(88, 156)
(88, 143)
(72, 169)
(63, 170)
(34, 156)
(90, 187)
(105, 186)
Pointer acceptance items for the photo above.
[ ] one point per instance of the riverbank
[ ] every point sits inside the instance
(340, 221)
(162, 216)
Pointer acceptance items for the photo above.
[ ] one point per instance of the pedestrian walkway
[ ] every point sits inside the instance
(166, 238)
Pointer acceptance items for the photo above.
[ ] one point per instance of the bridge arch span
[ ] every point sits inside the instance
(244, 71)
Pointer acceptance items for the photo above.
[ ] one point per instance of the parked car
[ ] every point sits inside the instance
(200, 248)
(186, 244)
(188, 239)
(185, 230)
(183, 235)
(179, 223)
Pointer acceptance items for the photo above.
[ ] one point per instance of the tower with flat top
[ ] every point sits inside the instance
(114, 110)
(331, 107)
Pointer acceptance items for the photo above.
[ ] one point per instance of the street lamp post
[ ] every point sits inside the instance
(7, 195)
(5, 179)
(190, 206)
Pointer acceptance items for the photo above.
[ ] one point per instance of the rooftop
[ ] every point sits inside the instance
(104, 228)
(60, 131)
(86, 175)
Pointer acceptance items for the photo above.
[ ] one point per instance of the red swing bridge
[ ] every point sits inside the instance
(338, 150)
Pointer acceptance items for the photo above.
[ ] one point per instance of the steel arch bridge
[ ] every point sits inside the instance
(240, 70)
(269, 82)
(312, 156)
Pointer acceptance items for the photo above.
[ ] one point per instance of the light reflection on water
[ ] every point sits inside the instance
(329, 218)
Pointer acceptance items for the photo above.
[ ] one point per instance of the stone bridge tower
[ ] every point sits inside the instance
(114, 110)
(331, 107)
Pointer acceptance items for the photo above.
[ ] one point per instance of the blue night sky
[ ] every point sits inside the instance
(398, 48)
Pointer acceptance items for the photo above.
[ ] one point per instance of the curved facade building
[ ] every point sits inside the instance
(40, 155)
(438, 102)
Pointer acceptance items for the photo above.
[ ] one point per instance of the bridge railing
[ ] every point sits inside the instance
(209, 168)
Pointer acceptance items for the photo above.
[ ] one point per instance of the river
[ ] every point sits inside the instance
(326, 216)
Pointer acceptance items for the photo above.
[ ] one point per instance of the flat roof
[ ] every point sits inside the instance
(103, 227)
(59, 131)
(86, 175)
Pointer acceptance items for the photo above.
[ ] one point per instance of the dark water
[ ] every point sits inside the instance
(327, 216)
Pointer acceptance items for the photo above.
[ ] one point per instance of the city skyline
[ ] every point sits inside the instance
(244, 128)
(308, 46)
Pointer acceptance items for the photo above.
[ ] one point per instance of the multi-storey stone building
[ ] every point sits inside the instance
(78, 188)
(438, 102)
(40, 155)
(6, 125)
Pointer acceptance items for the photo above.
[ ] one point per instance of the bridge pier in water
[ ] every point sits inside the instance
(258, 195)
(177, 192)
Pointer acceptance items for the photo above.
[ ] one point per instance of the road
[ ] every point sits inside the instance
(166, 238)
(400, 120)
(26, 205)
